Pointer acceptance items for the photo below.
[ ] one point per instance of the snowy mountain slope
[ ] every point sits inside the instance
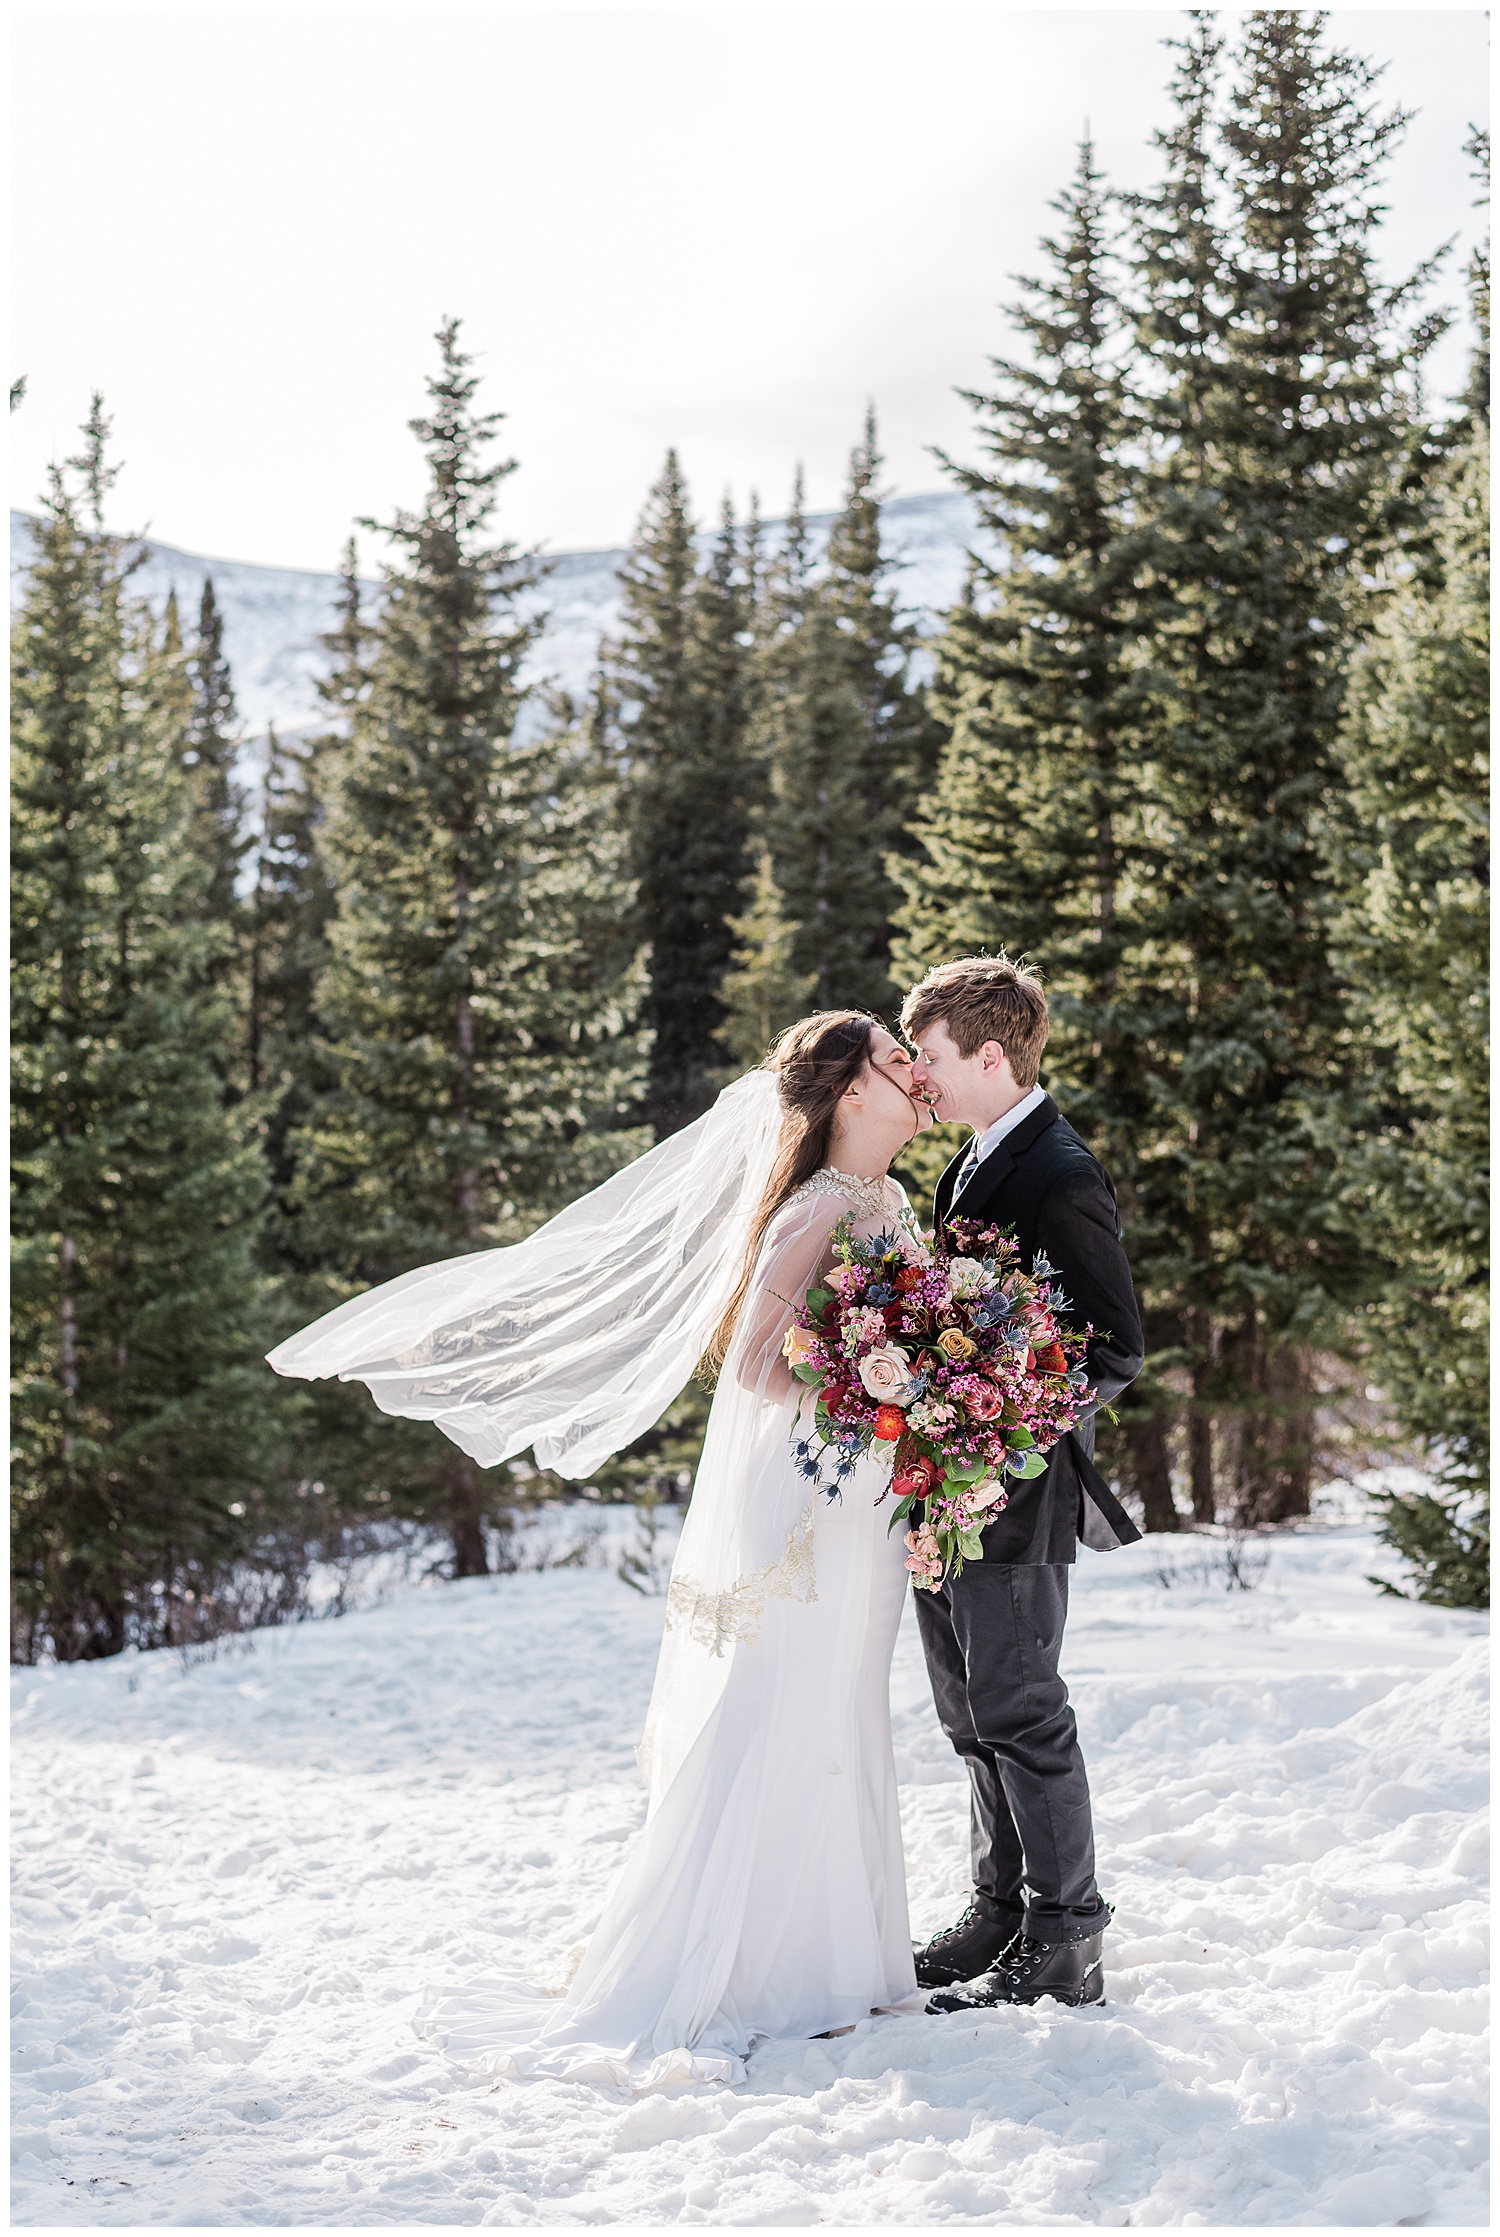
(274, 616)
(234, 1878)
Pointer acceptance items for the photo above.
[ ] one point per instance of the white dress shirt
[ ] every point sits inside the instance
(994, 1134)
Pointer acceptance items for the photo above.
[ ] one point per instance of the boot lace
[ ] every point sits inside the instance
(959, 1926)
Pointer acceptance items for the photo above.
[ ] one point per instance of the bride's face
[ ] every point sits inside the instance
(885, 1088)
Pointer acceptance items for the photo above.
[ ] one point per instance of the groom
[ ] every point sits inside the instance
(992, 1637)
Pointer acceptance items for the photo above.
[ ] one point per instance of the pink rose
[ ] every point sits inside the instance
(866, 1325)
(886, 1373)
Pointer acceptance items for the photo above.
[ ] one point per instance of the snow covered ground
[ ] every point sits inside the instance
(235, 1875)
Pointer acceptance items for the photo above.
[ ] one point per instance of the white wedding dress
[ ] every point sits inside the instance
(765, 1896)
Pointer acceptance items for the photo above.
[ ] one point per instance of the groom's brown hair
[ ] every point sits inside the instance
(984, 998)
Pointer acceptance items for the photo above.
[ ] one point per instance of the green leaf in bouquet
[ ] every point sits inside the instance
(1030, 1464)
(806, 1374)
(818, 1298)
(1018, 1438)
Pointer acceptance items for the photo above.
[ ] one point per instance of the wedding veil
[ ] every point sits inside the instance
(576, 1340)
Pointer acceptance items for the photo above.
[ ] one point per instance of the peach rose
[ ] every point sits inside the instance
(797, 1346)
(956, 1344)
(923, 1559)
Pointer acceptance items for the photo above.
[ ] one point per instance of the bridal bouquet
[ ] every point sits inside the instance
(954, 1363)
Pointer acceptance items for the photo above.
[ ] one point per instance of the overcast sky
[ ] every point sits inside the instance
(719, 228)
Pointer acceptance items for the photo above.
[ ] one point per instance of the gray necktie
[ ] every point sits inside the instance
(967, 1170)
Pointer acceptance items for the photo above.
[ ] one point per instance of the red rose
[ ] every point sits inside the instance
(831, 1311)
(894, 1315)
(890, 1423)
(917, 1478)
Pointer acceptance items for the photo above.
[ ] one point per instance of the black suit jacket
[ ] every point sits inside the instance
(1045, 1185)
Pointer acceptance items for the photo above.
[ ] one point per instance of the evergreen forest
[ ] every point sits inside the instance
(1204, 739)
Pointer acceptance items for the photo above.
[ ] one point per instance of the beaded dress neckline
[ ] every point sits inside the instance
(868, 1196)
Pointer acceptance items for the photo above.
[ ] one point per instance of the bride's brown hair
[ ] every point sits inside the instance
(814, 1061)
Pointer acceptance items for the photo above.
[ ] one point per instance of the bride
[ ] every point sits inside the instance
(766, 1894)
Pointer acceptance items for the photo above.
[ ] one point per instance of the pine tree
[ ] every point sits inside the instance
(1477, 394)
(763, 991)
(1038, 793)
(288, 912)
(349, 1468)
(676, 680)
(1281, 413)
(1411, 852)
(1039, 837)
(477, 994)
(146, 1433)
(1181, 250)
(900, 741)
(292, 905)
(212, 749)
(847, 744)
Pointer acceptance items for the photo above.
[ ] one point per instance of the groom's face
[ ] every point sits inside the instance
(957, 1086)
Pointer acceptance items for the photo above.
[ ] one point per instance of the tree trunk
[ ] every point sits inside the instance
(67, 1301)
(1201, 1464)
(1104, 868)
(463, 1101)
(253, 1018)
(1151, 1470)
(1200, 1421)
(466, 1505)
(1277, 1445)
(824, 996)
(68, 1321)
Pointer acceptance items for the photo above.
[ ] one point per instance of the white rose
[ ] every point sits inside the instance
(966, 1277)
(885, 1373)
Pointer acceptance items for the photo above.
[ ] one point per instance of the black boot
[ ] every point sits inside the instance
(1072, 1971)
(972, 1946)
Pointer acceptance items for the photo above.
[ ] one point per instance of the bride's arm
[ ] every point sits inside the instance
(796, 1249)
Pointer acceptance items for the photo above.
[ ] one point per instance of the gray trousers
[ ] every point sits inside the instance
(992, 1641)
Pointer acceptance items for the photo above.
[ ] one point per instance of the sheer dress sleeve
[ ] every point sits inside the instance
(797, 1248)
